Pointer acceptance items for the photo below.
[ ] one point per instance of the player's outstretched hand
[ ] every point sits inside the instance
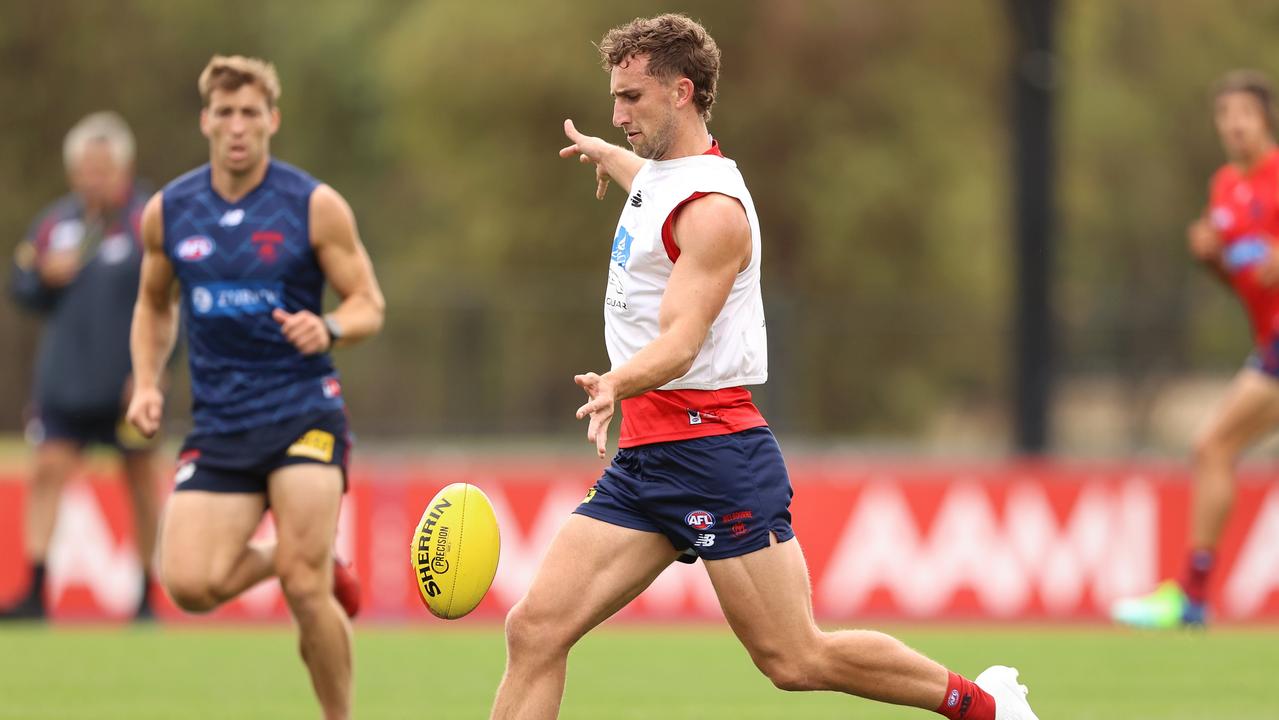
(304, 329)
(1204, 242)
(146, 408)
(599, 407)
(588, 150)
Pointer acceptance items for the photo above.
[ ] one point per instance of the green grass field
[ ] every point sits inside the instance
(429, 671)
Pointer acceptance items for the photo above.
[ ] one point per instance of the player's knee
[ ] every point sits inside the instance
(531, 633)
(304, 583)
(53, 469)
(191, 595)
(789, 672)
(794, 666)
(1210, 449)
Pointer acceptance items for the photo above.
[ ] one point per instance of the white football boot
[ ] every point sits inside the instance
(1010, 696)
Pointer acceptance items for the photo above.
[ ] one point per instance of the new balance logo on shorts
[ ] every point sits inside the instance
(704, 540)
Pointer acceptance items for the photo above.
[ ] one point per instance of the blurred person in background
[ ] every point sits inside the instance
(78, 269)
(249, 242)
(1234, 239)
(699, 473)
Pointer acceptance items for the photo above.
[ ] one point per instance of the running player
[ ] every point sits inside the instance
(78, 268)
(250, 242)
(699, 473)
(1233, 239)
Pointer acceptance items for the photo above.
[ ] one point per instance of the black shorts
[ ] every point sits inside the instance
(713, 497)
(83, 429)
(241, 462)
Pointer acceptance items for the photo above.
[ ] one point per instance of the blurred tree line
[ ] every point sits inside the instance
(873, 136)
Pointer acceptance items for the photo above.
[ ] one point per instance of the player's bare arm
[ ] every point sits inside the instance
(155, 322)
(348, 269)
(714, 238)
(611, 161)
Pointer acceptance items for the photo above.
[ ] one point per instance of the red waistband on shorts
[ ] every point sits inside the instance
(667, 415)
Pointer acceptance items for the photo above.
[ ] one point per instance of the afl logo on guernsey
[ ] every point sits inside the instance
(699, 520)
(195, 248)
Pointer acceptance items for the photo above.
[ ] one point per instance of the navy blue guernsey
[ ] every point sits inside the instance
(236, 263)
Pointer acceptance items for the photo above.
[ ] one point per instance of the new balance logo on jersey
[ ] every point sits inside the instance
(232, 218)
(637, 199)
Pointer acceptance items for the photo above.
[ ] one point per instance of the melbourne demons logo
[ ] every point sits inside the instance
(195, 248)
(266, 242)
(699, 520)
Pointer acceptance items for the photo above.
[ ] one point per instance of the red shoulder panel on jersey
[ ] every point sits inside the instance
(668, 227)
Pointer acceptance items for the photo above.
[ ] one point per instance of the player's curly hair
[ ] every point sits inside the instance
(1253, 82)
(231, 72)
(676, 46)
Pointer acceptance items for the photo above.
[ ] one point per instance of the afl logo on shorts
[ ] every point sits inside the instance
(699, 520)
(195, 248)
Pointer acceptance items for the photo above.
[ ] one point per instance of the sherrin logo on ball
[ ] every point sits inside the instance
(455, 550)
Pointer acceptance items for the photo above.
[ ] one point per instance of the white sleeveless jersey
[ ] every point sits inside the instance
(735, 352)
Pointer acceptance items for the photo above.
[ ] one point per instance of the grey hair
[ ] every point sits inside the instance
(105, 126)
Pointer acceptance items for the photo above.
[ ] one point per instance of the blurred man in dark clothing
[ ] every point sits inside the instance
(78, 269)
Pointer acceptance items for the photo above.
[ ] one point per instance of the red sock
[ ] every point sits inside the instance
(965, 701)
(1198, 567)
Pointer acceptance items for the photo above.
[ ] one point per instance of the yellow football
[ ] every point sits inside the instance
(455, 550)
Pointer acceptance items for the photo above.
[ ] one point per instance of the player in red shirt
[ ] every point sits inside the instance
(1235, 239)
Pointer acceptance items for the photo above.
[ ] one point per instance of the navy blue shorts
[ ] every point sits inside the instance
(714, 497)
(81, 429)
(241, 462)
(1267, 360)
